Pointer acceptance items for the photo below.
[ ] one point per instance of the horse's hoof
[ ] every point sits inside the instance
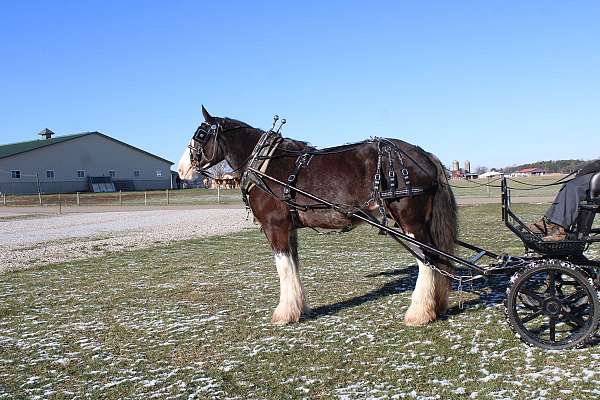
(418, 318)
(442, 310)
(282, 316)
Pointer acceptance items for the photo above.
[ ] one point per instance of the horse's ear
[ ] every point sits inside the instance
(207, 117)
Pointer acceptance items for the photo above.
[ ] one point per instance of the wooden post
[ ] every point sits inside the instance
(121, 198)
(59, 205)
(145, 198)
(488, 187)
(78, 202)
(37, 175)
(218, 194)
(168, 200)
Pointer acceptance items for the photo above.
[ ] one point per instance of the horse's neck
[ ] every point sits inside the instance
(239, 147)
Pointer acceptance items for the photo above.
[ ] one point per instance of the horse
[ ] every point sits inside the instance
(343, 175)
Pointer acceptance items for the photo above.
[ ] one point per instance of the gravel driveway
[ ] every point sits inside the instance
(27, 240)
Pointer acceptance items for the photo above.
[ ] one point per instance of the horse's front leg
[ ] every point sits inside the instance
(292, 301)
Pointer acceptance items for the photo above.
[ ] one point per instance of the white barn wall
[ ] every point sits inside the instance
(93, 153)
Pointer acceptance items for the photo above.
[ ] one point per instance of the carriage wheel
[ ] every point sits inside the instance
(553, 305)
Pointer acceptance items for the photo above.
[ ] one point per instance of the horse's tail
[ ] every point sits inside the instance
(444, 220)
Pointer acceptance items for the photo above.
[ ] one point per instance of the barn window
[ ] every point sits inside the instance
(81, 173)
(158, 172)
(50, 174)
(112, 173)
(136, 173)
(15, 174)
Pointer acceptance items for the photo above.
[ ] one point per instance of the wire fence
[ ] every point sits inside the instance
(521, 187)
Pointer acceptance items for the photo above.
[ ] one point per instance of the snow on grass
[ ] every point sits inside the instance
(191, 320)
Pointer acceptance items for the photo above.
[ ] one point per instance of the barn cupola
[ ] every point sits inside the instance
(46, 133)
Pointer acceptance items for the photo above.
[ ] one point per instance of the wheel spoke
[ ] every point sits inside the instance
(533, 294)
(552, 283)
(575, 318)
(552, 330)
(574, 297)
(531, 317)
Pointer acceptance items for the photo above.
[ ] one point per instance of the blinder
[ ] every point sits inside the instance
(200, 139)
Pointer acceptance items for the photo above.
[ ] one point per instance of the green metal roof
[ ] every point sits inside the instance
(8, 150)
(12, 149)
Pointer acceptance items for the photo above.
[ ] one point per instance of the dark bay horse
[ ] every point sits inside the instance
(342, 175)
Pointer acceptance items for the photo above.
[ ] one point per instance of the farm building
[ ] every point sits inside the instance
(89, 161)
(491, 174)
(529, 172)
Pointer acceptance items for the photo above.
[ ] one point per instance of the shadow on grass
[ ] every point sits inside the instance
(489, 291)
(389, 288)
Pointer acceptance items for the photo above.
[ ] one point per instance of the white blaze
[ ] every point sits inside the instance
(184, 168)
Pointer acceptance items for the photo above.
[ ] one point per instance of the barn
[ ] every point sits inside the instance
(88, 161)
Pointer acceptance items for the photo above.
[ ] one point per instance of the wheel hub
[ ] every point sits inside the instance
(552, 307)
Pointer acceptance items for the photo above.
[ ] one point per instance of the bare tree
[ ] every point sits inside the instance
(219, 169)
(481, 170)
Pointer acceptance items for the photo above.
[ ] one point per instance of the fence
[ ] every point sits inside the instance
(146, 198)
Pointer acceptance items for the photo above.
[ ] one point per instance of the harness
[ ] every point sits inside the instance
(385, 183)
(259, 160)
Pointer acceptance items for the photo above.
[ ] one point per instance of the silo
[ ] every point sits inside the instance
(467, 166)
(455, 165)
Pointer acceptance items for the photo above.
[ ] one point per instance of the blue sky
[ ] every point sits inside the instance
(494, 82)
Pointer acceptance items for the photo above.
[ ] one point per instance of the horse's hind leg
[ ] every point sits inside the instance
(292, 302)
(430, 297)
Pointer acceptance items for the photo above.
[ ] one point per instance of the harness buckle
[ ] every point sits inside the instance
(291, 178)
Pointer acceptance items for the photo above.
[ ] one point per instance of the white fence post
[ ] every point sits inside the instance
(78, 203)
(219, 194)
(145, 198)
(4, 199)
(121, 198)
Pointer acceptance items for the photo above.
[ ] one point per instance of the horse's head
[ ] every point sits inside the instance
(204, 148)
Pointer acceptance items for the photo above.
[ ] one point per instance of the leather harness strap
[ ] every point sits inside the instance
(289, 194)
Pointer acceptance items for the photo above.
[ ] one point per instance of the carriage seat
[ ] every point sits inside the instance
(594, 192)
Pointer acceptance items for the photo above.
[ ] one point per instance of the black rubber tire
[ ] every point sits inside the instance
(519, 282)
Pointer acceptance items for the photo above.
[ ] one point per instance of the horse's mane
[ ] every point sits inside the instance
(288, 143)
(227, 122)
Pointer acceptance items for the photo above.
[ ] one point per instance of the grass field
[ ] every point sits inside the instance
(192, 320)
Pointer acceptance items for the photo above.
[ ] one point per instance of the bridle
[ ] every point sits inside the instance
(201, 137)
